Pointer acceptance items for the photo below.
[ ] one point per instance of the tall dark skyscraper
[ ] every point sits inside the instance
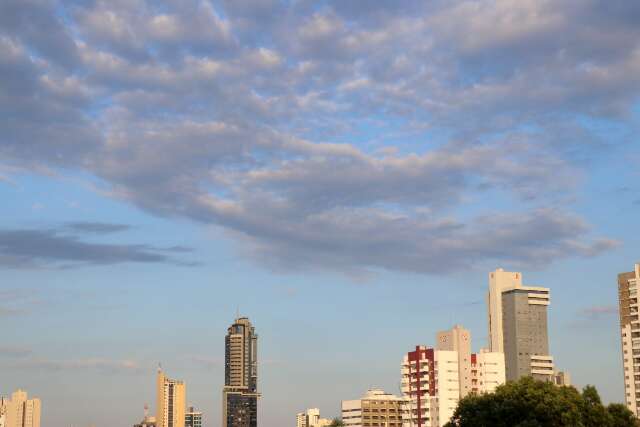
(240, 393)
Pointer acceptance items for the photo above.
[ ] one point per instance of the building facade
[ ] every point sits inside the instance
(240, 393)
(431, 385)
(434, 380)
(20, 411)
(487, 371)
(526, 341)
(171, 401)
(311, 418)
(458, 339)
(628, 284)
(375, 409)
(518, 326)
(193, 418)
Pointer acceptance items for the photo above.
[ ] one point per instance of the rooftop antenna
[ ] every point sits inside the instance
(146, 410)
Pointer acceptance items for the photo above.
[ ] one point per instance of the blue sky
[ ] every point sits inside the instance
(344, 173)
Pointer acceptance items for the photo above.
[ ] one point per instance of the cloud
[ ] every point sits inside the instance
(205, 362)
(29, 248)
(106, 366)
(96, 227)
(344, 136)
(598, 311)
(14, 352)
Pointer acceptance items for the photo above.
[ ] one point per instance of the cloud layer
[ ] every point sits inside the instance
(66, 248)
(340, 136)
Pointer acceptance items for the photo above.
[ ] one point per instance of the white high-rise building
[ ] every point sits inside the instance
(628, 284)
(431, 384)
(434, 380)
(487, 371)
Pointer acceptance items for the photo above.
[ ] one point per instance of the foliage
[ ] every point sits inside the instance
(336, 423)
(531, 403)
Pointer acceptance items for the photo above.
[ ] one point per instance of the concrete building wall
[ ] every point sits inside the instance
(525, 337)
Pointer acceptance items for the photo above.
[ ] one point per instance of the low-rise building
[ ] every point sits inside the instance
(375, 409)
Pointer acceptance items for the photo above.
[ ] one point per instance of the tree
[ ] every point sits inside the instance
(336, 423)
(531, 403)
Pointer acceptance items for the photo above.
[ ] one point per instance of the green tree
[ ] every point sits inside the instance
(531, 403)
(336, 423)
(621, 416)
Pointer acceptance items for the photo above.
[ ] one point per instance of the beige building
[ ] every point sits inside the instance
(311, 418)
(375, 409)
(628, 284)
(171, 401)
(458, 339)
(20, 411)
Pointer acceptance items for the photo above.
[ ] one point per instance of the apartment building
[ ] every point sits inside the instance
(375, 409)
(20, 411)
(171, 401)
(628, 284)
(311, 418)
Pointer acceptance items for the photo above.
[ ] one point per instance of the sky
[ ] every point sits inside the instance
(344, 173)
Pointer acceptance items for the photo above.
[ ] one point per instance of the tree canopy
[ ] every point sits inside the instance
(531, 403)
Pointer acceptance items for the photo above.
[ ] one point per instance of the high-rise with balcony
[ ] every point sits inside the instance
(20, 411)
(434, 380)
(628, 284)
(518, 326)
(240, 393)
(171, 401)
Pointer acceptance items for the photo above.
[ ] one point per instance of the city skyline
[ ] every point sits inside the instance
(344, 173)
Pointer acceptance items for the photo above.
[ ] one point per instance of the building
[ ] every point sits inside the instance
(147, 421)
(434, 380)
(487, 371)
(562, 378)
(458, 339)
(240, 393)
(518, 326)
(375, 409)
(171, 401)
(628, 284)
(20, 411)
(431, 384)
(3, 408)
(311, 418)
(193, 418)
